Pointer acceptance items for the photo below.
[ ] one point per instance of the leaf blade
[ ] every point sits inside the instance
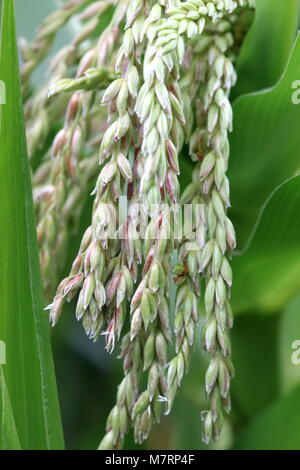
(267, 273)
(9, 439)
(266, 431)
(29, 373)
(265, 132)
(266, 50)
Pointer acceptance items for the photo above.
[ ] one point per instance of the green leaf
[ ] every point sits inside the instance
(267, 273)
(28, 373)
(289, 346)
(254, 341)
(9, 439)
(277, 428)
(267, 46)
(265, 146)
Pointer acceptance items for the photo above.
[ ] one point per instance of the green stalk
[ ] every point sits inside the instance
(29, 409)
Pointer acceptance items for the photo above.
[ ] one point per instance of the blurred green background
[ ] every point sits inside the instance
(266, 300)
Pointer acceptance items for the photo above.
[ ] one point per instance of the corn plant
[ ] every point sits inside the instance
(149, 187)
